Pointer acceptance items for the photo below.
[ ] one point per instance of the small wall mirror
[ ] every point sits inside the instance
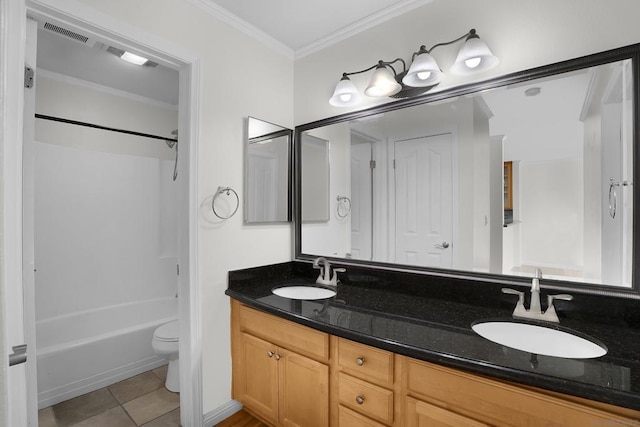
(267, 173)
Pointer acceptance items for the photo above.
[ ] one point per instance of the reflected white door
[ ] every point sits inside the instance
(361, 209)
(424, 201)
(263, 194)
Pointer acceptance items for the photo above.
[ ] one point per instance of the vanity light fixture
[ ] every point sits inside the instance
(423, 74)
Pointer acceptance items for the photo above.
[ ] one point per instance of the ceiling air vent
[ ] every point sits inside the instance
(68, 33)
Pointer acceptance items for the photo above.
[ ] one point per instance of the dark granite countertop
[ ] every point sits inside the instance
(429, 318)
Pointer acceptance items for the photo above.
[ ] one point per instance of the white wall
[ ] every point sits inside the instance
(552, 221)
(522, 34)
(69, 98)
(332, 237)
(99, 240)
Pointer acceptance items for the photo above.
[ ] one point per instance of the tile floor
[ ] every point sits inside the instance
(138, 401)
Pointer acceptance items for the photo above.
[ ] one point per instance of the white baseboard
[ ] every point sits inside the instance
(47, 398)
(221, 413)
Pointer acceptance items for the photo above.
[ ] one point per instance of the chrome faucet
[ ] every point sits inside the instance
(534, 306)
(325, 277)
(535, 311)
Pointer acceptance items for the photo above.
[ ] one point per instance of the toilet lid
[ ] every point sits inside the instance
(168, 331)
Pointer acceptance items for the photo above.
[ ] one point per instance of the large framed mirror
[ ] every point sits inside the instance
(533, 170)
(268, 185)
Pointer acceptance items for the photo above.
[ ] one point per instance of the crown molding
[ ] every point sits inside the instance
(242, 25)
(370, 21)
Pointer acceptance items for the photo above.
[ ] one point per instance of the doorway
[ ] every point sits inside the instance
(186, 217)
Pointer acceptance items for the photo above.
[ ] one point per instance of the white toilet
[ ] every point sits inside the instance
(165, 344)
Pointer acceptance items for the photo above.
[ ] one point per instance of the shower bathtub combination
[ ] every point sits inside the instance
(85, 351)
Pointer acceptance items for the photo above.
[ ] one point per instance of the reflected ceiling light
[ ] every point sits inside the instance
(532, 91)
(423, 74)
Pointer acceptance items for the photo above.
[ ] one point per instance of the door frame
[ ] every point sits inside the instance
(91, 22)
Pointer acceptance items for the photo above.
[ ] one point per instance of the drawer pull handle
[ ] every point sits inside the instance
(359, 400)
(277, 357)
(360, 361)
(270, 353)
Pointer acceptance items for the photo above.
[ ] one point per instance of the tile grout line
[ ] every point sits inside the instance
(121, 406)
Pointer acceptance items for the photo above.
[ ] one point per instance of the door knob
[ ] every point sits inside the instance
(443, 245)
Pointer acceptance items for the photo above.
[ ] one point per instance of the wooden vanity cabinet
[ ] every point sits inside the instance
(291, 375)
(274, 376)
(438, 396)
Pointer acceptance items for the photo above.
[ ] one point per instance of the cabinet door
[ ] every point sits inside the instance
(422, 414)
(259, 380)
(304, 391)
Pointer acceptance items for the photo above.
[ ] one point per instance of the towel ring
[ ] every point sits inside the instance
(222, 190)
(613, 195)
(613, 198)
(343, 201)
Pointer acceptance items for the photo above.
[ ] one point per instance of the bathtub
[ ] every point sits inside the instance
(88, 350)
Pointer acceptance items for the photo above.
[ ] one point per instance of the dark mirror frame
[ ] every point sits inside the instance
(631, 52)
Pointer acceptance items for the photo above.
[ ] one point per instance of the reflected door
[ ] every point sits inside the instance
(361, 197)
(424, 201)
(263, 188)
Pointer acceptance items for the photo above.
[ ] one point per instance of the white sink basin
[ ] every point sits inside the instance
(539, 340)
(304, 292)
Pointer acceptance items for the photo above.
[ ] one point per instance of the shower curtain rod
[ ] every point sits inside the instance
(91, 125)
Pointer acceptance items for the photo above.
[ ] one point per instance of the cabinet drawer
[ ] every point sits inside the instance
(365, 398)
(422, 414)
(365, 362)
(498, 403)
(349, 418)
(287, 334)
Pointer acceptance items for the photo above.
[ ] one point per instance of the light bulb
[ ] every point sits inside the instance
(472, 62)
(423, 75)
(345, 97)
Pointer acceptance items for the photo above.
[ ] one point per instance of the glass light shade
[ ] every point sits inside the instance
(345, 95)
(424, 71)
(474, 56)
(383, 83)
